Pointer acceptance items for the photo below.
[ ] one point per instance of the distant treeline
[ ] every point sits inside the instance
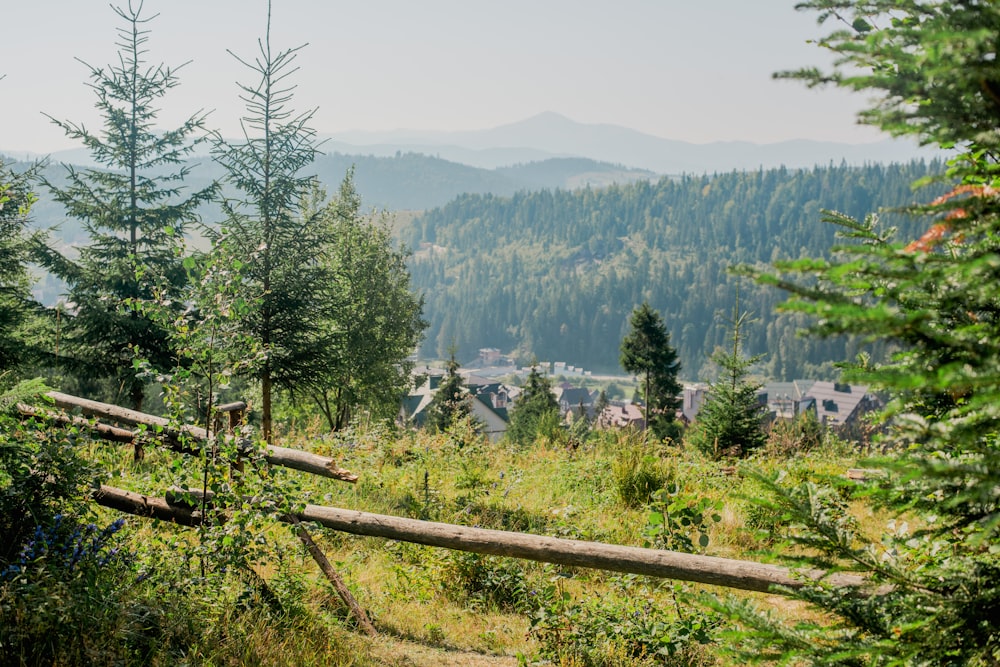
(554, 274)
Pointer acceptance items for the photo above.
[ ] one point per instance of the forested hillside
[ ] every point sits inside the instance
(554, 274)
(418, 182)
(407, 181)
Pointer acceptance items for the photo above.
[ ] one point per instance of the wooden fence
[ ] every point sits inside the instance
(730, 573)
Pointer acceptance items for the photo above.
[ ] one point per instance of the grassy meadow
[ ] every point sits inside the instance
(247, 592)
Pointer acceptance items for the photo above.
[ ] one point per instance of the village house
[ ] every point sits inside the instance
(837, 405)
(691, 401)
(571, 399)
(619, 414)
(489, 401)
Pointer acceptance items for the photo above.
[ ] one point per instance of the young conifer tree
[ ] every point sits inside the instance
(646, 351)
(135, 211)
(280, 250)
(935, 567)
(451, 402)
(536, 409)
(730, 423)
(18, 347)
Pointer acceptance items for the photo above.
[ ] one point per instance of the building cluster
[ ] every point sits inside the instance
(836, 405)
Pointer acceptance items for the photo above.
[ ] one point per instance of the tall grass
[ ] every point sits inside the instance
(639, 470)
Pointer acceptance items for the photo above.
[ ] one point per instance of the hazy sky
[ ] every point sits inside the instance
(695, 70)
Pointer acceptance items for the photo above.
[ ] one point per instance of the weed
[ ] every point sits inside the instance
(760, 513)
(628, 630)
(803, 434)
(494, 582)
(435, 634)
(676, 518)
(638, 472)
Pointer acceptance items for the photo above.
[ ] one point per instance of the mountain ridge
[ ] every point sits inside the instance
(556, 135)
(549, 135)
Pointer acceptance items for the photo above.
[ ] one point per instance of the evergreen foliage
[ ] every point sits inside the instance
(601, 403)
(730, 423)
(536, 411)
(646, 351)
(554, 274)
(280, 251)
(135, 211)
(18, 310)
(935, 591)
(451, 403)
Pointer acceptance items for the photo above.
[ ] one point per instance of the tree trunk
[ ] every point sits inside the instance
(265, 407)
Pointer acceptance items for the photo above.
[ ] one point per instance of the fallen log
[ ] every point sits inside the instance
(141, 505)
(726, 572)
(296, 459)
(176, 508)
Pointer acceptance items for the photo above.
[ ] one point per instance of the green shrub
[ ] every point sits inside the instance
(676, 518)
(638, 472)
(802, 434)
(487, 581)
(41, 476)
(626, 630)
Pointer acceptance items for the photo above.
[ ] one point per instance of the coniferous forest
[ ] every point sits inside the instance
(554, 274)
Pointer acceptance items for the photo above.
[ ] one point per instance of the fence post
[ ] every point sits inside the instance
(235, 413)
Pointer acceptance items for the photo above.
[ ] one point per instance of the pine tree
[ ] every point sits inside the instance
(535, 412)
(18, 348)
(934, 590)
(600, 405)
(646, 351)
(451, 402)
(280, 251)
(135, 211)
(730, 423)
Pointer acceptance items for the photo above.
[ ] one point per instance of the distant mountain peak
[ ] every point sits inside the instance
(545, 117)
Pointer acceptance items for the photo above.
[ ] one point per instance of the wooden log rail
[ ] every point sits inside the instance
(295, 459)
(727, 572)
(104, 431)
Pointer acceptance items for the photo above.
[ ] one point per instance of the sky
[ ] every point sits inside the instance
(697, 71)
